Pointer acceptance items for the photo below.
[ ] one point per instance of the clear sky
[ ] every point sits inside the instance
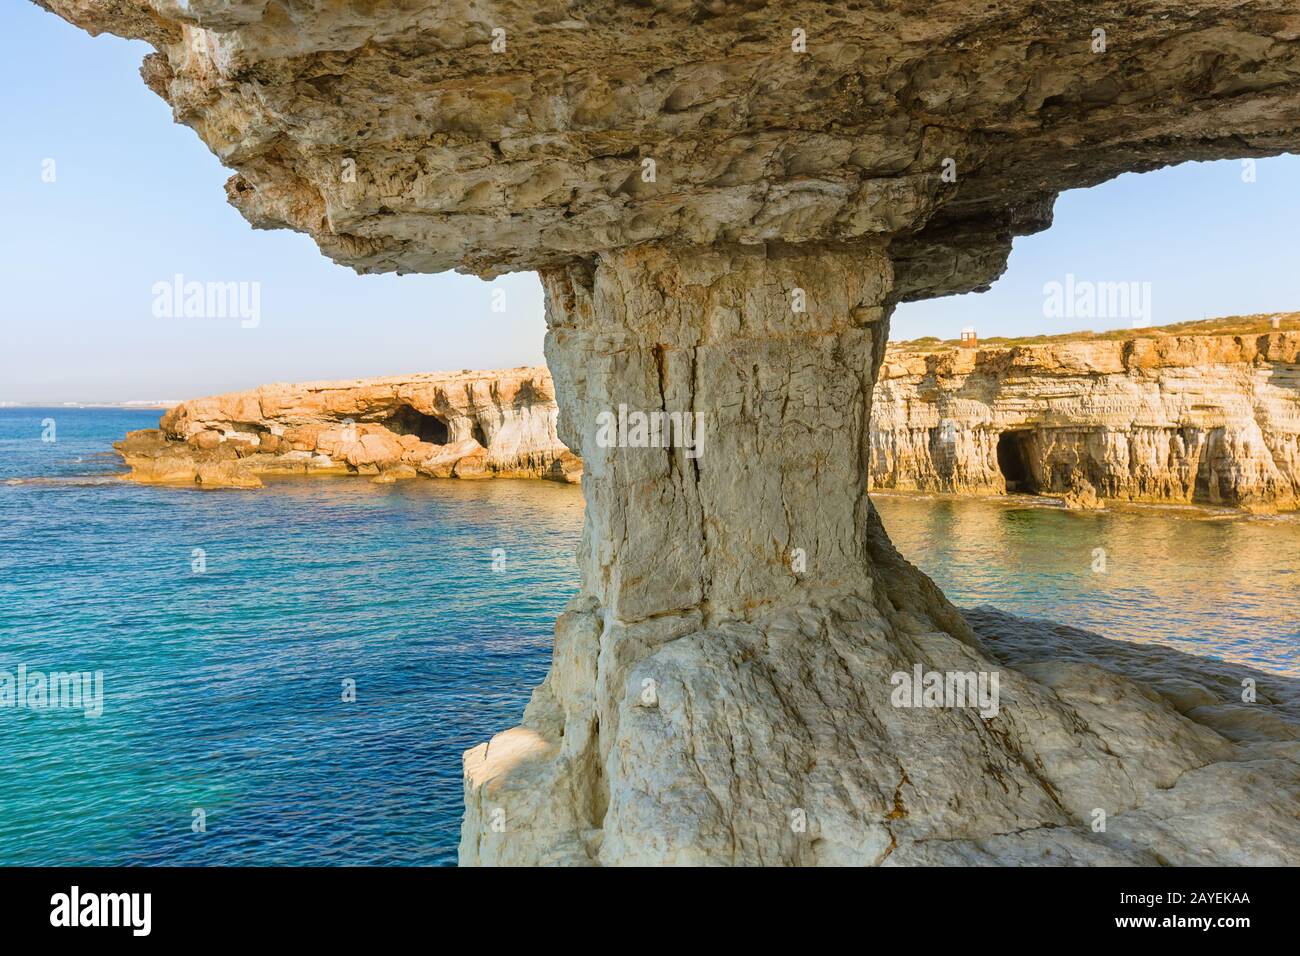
(136, 199)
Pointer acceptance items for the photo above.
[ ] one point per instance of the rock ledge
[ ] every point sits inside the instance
(493, 424)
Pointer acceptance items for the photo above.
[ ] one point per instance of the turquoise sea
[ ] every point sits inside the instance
(223, 687)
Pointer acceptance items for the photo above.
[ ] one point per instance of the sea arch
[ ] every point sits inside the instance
(724, 220)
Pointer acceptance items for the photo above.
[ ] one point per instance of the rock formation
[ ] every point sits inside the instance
(497, 424)
(1151, 417)
(725, 200)
(1209, 419)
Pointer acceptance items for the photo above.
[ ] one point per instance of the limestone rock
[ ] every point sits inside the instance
(725, 201)
(1081, 495)
(224, 474)
(394, 473)
(1206, 419)
(468, 424)
(721, 690)
(423, 135)
(1156, 417)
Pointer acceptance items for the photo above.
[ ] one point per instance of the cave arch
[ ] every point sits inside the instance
(1015, 461)
(407, 420)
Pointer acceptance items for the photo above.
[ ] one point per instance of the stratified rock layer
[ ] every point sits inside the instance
(494, 424)
(725, 200)
(1206, 419)
(1155, 417)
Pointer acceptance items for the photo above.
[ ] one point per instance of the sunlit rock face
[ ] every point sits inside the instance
(493, 424)
(1206, 419)
(725, 200)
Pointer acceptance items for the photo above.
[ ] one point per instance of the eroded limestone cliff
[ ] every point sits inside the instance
(452, 425)
(1183, 417)
(1207, 419)
(725, 200)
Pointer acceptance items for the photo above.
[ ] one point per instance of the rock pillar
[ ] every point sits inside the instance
(756, 365)
(724, 688)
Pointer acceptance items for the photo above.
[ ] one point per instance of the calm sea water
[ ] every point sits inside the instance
(223, 689)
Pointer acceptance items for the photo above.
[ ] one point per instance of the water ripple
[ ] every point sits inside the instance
(223, 688)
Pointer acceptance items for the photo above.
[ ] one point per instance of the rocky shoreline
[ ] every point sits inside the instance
(724, 215)
(490, 424)
(1156, 417)
(1161, 418)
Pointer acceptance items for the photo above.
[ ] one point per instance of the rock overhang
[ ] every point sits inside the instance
(419, 137)
(754, 587)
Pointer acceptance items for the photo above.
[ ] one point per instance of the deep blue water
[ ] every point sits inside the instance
(223, 689)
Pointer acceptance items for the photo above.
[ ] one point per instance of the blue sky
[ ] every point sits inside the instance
(137, 199)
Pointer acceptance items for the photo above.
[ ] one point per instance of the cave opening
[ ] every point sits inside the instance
(428, 428)
(432, 429)
(1013, 462)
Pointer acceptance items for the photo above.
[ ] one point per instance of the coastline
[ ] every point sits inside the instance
(469, 424)
(1172, 509)
(1204, 414)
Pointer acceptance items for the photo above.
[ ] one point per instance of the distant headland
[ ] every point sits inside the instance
(1195, 413)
